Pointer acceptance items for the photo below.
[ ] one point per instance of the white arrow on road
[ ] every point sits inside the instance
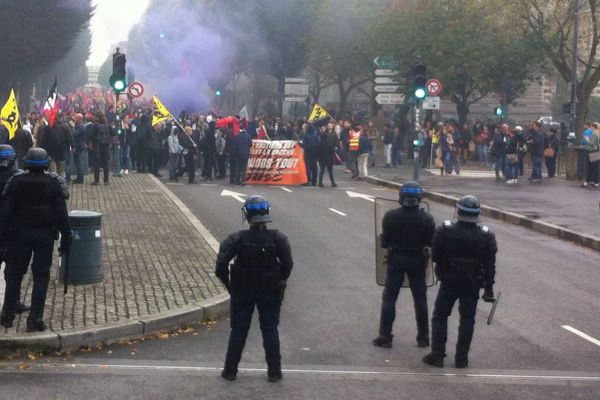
(362, 196)
(238, 196)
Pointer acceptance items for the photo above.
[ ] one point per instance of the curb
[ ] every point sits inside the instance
(207, 310)
(582, 239)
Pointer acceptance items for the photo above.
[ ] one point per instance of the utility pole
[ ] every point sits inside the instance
(572, 125)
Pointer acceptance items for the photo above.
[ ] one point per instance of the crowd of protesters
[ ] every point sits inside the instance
(93, 132)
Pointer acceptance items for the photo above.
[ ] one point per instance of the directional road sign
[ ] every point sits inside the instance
(385, 62)
(296, 80)
(386, 72)
(296, 89)
(297, 99)
(385, 80)
(386, 89)
(389, 98)
(434, 87)
(431, 103)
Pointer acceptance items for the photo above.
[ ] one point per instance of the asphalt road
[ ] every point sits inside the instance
(331, 314)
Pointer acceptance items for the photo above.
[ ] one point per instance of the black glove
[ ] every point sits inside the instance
(282, 286)
(488, 295)
(65, 245)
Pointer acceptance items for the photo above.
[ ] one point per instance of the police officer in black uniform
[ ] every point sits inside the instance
(263, 263)
(465, 257)
(406, 231)
(7, 170)
(33, 213)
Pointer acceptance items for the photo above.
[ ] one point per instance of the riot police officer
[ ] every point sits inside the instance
(406, 231)
(33, 213)
(465, 257)
(263, 263)
(7, 169)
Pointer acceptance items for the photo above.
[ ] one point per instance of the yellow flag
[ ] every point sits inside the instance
(318, 113)
(10, 115)
(160, 113)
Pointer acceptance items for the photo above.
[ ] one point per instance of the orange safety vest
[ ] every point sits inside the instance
(353, 139)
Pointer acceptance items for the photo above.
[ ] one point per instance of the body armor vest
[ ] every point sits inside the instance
(256, 265)
(34, 202)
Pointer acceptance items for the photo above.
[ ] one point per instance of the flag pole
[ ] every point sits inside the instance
(181, 127)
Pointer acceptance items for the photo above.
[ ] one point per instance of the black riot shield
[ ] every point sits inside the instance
(381, 207)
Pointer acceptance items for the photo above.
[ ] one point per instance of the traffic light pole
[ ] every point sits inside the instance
(416, 148)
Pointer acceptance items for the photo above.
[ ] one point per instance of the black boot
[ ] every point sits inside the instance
(229, 374)
(422, 341)
(6, 320)
(274, 375)
(461, 361)
(434, 359)
(383, 341)
(35, 325)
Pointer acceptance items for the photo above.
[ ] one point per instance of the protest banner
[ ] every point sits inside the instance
(279, 162)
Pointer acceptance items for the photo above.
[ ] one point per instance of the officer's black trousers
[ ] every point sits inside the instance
(414, 268)
(242, 307)
(467, 306)
(40, 242)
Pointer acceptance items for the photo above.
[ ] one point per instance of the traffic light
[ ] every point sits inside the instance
(499, 111)
(419, 79)
(118, 79)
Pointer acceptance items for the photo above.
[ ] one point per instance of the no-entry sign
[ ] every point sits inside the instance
(434, 87)
(135, 89)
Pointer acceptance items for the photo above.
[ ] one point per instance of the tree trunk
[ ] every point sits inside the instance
(462, 109)
(280, 94)
(343, 94)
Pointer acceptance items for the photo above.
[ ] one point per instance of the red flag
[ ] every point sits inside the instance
(51, 105)
(224, 122)
(244, 117)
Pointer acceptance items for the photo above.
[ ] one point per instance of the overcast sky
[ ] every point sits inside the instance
(111, 24)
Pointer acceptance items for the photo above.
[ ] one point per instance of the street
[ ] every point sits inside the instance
(542, 344)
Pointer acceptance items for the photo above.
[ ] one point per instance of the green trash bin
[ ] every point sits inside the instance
(85, 259)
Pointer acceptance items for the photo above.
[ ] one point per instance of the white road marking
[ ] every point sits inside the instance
(337, 212)
(361, 196)
(174, 184)
(581, 334)
(286, 189)
(208, 184)
(81, 366)
(238, 196)
(468, 173)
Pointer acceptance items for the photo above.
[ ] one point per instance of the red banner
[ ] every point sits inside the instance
(279, 162)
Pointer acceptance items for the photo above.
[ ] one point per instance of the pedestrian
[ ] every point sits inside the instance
(30, 220)
(481, 140)
(209, 151)
(240, 153)
(124, 143)
(498, 150)
(353, 149)
(310, 144)
(536, 145)
(362, 156)
(101, 137)
(7, 170)
(465, 257)
(220, 145)
(21, 143)
(372, 135)
(174, 151)
(258, 277)
(326, 153)
(142, 149)
(551, 151)
(388, 140)
(591, 143)
(55, 139)
(512, 157)
(190, 155)
(406, 232)
(80, 156)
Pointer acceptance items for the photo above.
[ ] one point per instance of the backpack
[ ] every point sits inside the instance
(103, 136)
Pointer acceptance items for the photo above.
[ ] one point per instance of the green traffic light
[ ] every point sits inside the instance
(119, 85)
(218, 92)
(416, 142)
(420, 93)
(499, 111)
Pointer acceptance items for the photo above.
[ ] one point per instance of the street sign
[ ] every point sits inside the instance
(386, 72)
(297, 99)
(296, 89)
(434, 87)
(386, 89)
(431, 103)
(385, 80)
(135, 90)
(389, 98)
(385, 62)
(296, 80)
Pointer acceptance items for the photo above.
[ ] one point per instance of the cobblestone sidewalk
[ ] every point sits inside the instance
(155, 260)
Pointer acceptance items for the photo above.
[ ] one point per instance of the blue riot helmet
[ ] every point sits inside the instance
(256, 210)
(7, 156)
(411, 194)
(36, 158)
(468, 209)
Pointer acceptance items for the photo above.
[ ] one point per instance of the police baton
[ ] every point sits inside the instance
(66, 269)
(493, 310)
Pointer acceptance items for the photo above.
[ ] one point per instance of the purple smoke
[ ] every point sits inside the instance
(175, 53)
